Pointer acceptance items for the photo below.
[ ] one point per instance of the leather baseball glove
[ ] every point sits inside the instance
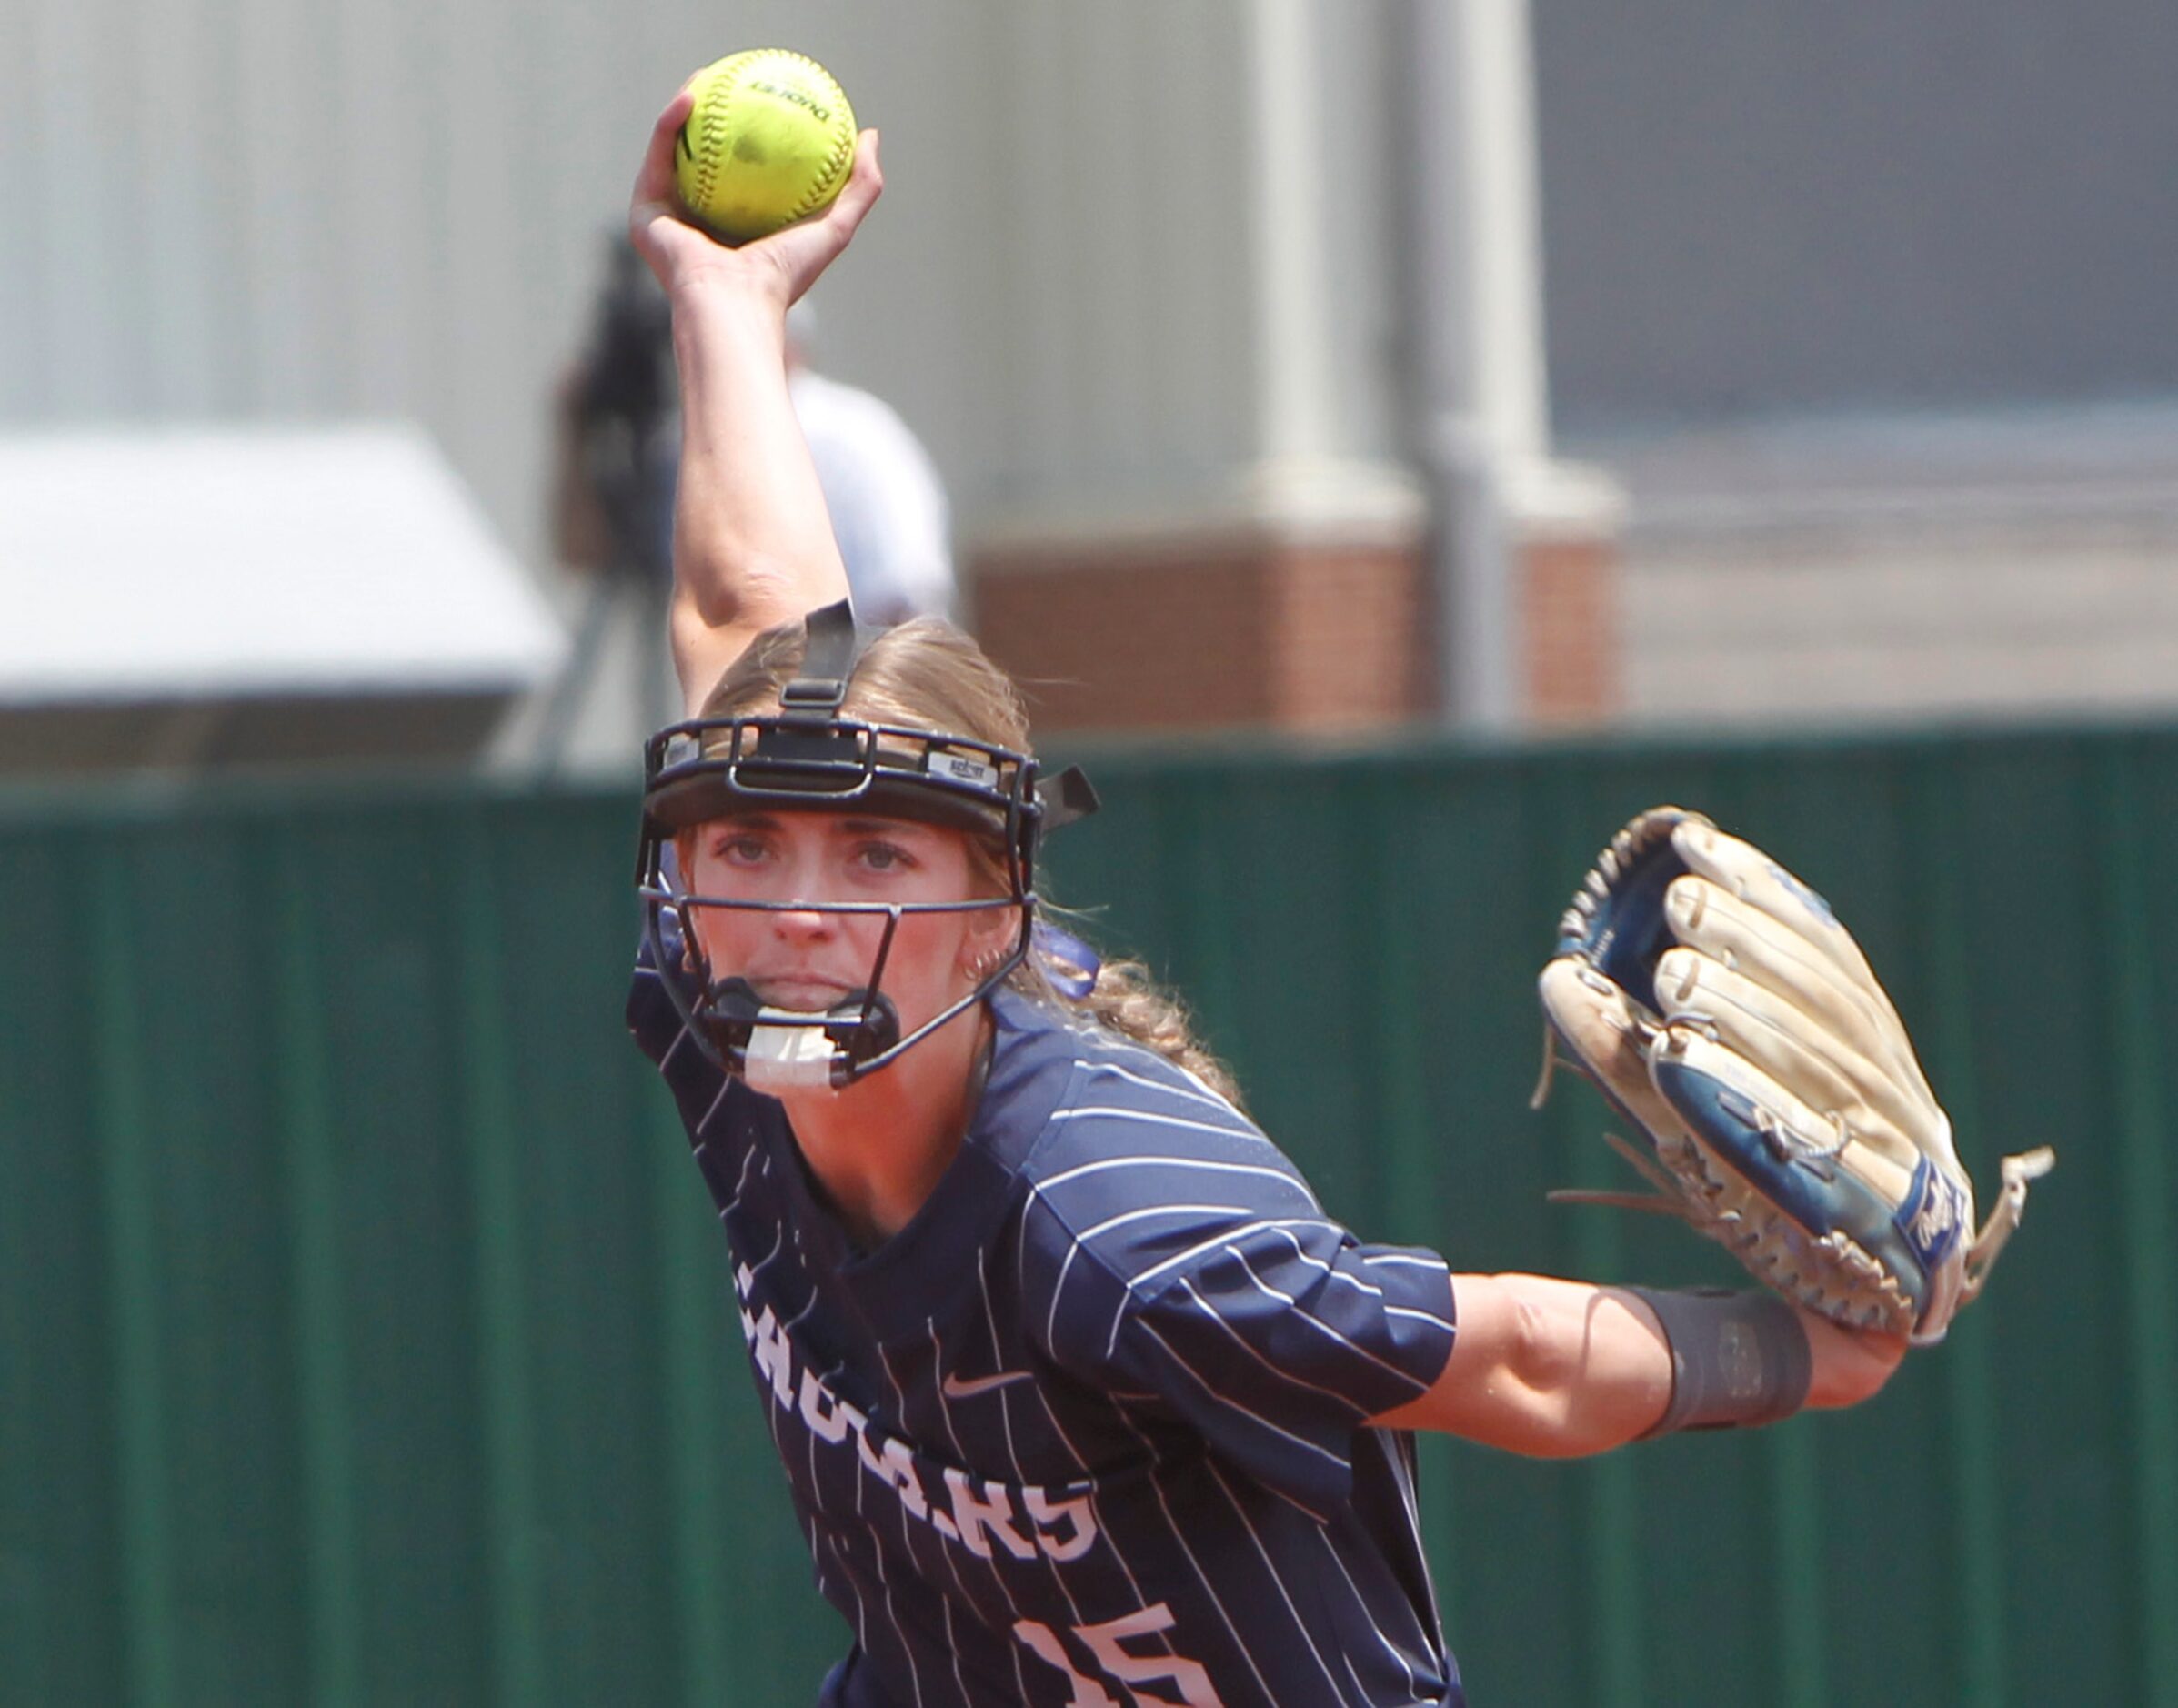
(1723, 1010)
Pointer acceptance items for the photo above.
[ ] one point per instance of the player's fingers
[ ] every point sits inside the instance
(1849, 1365)
(657, 221)
(653, 196)
(819, 240)
(864, 183)
(803, 251)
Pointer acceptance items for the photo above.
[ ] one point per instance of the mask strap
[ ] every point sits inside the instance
(834, 648)
(1066, 797)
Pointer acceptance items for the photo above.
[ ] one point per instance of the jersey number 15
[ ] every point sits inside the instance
(1124, 1669)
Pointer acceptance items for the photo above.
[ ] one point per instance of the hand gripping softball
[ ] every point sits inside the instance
(1723, 1008)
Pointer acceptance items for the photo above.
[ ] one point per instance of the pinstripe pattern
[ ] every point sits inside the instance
(1089, 1428)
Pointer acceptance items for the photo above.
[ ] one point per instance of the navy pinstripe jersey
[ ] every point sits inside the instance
(1088, 1430)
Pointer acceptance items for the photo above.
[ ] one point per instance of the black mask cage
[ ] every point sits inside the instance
(808, 756)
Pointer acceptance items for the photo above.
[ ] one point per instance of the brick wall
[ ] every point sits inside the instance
(1249, 631)
(1570, 634)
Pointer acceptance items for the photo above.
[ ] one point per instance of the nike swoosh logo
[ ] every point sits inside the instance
(954, 1388)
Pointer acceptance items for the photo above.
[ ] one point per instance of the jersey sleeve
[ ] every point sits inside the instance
(652, 1021)
(655, 1022)
(1275, 1338)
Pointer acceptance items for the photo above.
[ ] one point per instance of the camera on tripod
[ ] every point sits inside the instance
(624, 405)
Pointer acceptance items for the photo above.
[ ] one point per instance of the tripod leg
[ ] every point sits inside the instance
(557, 723)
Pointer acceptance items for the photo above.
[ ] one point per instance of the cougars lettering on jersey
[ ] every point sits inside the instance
(1090, 1430)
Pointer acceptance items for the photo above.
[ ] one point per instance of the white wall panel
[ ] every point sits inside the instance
(283, 149)
(22, 381)
(1124, 221)
(86, 168)
(1195, 332)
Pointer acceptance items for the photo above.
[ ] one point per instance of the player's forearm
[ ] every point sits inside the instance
(753, 542)
(1559, 1368)
(1554, 1368)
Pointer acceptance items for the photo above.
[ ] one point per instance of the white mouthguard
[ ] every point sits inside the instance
(787, 1057)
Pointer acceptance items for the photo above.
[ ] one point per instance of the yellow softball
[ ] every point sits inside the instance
(769, 141)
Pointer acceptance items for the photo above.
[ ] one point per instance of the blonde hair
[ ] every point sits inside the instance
(926, 674)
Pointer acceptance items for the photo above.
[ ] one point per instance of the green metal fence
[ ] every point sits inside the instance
(364, 1334)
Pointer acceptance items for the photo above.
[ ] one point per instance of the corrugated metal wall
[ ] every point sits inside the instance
(363, 1328)
(268, 209)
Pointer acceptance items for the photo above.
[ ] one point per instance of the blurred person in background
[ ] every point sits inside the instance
(888, 506)
(617, 456)
(616, 460)
(617, 453)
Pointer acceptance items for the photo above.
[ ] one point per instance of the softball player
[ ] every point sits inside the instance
(1081, 1397)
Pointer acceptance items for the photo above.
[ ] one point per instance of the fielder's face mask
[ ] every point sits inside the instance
(812, 758)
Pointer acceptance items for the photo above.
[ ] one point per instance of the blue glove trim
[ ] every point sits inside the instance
(1623, 931)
